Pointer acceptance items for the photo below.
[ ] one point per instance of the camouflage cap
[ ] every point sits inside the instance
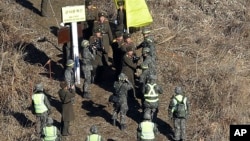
(50, 121)
(118, 33)
(70, 62)
(85, 43)
(120, 2)
(39, 87)
(94, 129)
(126, 35)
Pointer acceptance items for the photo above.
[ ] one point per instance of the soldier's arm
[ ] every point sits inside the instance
(159, 89)
(139, 132)
(67, 78)
(170, 107)
(130, 63)
(46, 102)
(110, 33)
(187, 104)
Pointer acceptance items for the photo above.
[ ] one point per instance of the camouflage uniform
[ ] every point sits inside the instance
(69, 75)
(41, 116)
(91, 16)
(121, 105)
(87, 60)
(147, 66)
(44, 5)
(179, 123)
(117, 53)
(121, 17)
(106, 34)
(151, 96)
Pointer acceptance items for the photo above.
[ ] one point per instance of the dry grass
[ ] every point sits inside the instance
(203, 45)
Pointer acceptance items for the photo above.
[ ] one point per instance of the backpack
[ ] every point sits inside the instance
(180, 108)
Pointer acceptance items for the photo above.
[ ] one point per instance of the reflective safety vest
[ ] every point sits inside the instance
(38, 100)
(50, 133)
(94, 137)
(151, 96)
(179, 97)
(147, 130)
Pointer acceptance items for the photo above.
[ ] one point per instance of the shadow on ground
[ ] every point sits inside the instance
(27, 4)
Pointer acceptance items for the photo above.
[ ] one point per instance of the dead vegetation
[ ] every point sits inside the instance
(202, 45)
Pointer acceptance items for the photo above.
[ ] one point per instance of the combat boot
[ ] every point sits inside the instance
(86, 95)
(123, 127)
(114, 122)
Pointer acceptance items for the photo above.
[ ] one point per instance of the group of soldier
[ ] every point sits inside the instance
(96, 45)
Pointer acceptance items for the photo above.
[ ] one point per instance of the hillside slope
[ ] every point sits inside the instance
(202, 45)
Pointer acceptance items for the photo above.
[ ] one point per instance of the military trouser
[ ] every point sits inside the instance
(41, 122)
(44, 6)
(65, 128)
(87, 79)
(151, 108)
(121, 108)
(180, 128)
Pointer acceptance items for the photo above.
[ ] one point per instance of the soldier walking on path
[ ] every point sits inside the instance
(41, 107)
(120, 101)
(147, 130)
(178, 111)
(66, 98)
(87, 60)
(151, 97)
(94, 135)
(50, 132)
(69, 75)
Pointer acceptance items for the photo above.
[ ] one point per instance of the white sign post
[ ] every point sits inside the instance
(74, 14)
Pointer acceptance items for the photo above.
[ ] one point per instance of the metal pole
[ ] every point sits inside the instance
(75, 52)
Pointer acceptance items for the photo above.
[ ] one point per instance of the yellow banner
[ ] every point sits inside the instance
(137, 13)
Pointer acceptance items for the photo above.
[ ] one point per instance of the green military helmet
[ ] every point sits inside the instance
(85, 43)
(49, 121)
(144, 66)
(145, 50)
(178, 90)
(152, 77)
(94, 129)
(70, 63)
(145, 31)
(122, 77)
(120, 3)
(39, 87)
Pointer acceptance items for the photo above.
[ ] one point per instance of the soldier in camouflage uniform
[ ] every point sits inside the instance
(151, 93)
(117, 53)
(44, 5)
(96, 43)
(121, 17)
(122, 86)
(148, 42)
(69, 75)
(147, 66)
(106, 33)
(178, 111)
(91, 16)
(87, 59)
